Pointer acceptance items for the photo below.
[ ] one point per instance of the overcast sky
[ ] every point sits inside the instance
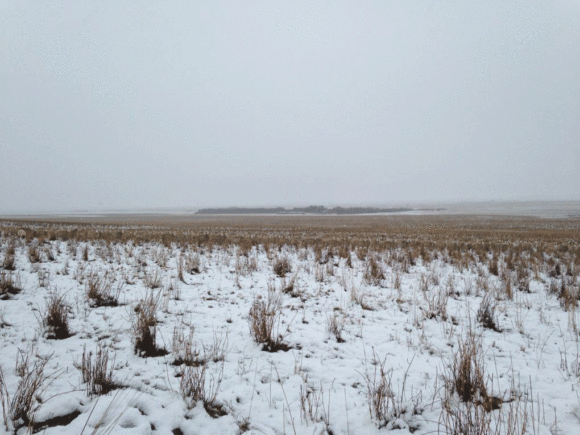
(133, 104)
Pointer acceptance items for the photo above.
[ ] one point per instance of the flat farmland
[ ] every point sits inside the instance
(169, 324)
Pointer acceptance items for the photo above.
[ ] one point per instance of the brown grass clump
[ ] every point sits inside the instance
(192, 263)
(568, 296)
(289, 287)
(343, 251)
(20, 411)
(493, 268)
(468, 407)
(144, 322)
(386, 403)
(282, 266)
(465, 237)
(152, 278)
(264, 318)
(184, 349)
(180, 269)
(98, 373)
(34, 254)
(195, 387)
(100, 291)
(486, 313)
(467, 371)
(9, 285)
(373, 271)
(9, 258)
(4, 398)
(508, 289)
(436, 299)
(55, 317)
(335, 325)
(466, 375)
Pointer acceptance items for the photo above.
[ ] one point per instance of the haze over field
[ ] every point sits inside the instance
(131, 105)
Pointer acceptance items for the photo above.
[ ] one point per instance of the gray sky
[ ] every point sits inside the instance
(132, 104)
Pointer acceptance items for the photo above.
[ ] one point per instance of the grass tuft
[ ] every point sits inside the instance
(55, 317)
(144, 322)
(282, 266)
(98, 373)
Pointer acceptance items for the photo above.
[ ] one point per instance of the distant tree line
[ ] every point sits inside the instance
(313, 209)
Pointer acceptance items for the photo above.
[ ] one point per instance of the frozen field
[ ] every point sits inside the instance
(277, 339)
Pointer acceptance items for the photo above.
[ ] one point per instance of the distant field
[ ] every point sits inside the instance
(254, 325)
(371, 231)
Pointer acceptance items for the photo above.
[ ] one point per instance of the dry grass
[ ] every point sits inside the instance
(373, 271)
(486, 313)
(144, 322)
(55, 317)
(192, 263)
(152, 278)
(264, 320)
(180, 262)
(313, 406)
(465, 239)
(101, 292)
(466, 373)
(196, 386)
(436, 299)
(20, 410)
(282, 266)
(289, 287)
(515, 251)
(335, 326)
(4, 399)
(263, 316)
(468, 407)
(9, 262)
(184, 349)
(567, 293)
(9, 284)
(34, 254)
(386, 403)
(98, 373)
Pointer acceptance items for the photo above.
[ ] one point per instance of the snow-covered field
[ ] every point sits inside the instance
(364, 348)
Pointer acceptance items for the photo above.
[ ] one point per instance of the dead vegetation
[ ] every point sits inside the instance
(153, 278)
(374, 274)
(466, 375)
(388, 404)
(313, 405)
(10, 284)
(386, 252)
(144, 322)
(97, 373)
(19, 410)
(101, 292)
(335, 326)
(9, 262)
(282, 266)
(184, 348)
(195, 386)
(468, 404)
(55, 317)
(264, 320)
(486, 313)
(464, 239)
(192, 263)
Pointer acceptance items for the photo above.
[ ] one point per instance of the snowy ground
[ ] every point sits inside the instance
(411, 322)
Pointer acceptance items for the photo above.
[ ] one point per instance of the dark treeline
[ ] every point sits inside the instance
(313, 209)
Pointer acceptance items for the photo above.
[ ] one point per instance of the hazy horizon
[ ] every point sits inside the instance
(539, 209)
(187, 105)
